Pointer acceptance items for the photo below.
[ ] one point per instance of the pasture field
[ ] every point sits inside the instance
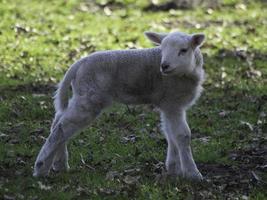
(121, 155)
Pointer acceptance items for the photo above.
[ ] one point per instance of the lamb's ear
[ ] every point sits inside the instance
(197, 40)
(156, 38)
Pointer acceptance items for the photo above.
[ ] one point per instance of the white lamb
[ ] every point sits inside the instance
(168, 76)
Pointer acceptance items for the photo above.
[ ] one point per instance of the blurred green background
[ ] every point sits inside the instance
(122, 154)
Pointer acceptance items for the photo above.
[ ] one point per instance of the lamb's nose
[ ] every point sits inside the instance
(164, 66)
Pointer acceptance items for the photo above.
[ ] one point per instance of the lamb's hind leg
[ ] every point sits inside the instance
(78, 115)
(60, 162)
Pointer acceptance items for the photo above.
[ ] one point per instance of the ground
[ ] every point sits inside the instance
(121, 156)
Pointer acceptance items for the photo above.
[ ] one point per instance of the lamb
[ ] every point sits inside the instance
(169, 76)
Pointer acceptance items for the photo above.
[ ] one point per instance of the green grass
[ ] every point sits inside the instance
(41, 39)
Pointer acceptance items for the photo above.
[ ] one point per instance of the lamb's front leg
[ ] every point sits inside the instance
(173, 163)
(180, 134)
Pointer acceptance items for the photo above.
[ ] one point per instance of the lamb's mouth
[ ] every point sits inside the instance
(166, 73)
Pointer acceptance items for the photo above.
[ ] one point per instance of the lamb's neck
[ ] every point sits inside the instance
(198, 72)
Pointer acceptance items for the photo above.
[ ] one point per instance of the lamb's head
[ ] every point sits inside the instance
(177, 50)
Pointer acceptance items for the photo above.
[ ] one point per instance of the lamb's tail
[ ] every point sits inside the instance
(61, 97)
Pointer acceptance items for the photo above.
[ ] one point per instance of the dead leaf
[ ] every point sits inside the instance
(111, 175)
(224, 113)
(8, 197)
(2, 135)
(255, 176)
(130, 138)
(101, 139)
(37, 131)
(263, 114)
(209, 11)
(38, 95)
(241, 6)
(263, 166)
(160, 165)
(244, 197)
(20, 29)
(253, 73)
(107, 191)
(223, 75)
(204, 140)
(42, 138)
(85, 164)
(247, 124)
(107, 11)
(130, 180)
(80, 189)
(132, 171)
(14, 141)
(65, 188)
(43, 187)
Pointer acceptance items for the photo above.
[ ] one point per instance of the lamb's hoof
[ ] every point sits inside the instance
(39, 174)
(174, 171)
(40, 170)
(196, 176)
(60, 167)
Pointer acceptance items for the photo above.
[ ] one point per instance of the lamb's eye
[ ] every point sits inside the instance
(182, 51)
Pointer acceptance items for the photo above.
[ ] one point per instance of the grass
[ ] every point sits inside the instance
(121, 155)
